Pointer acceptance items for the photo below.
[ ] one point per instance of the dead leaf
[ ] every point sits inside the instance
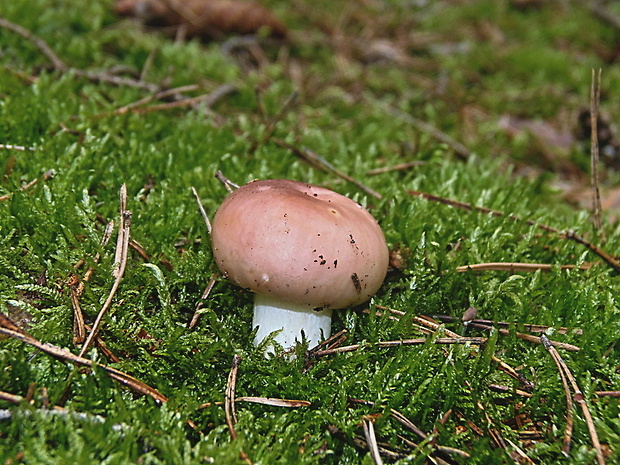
(207, 19)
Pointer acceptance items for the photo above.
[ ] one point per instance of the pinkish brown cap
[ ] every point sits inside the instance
(300, 243)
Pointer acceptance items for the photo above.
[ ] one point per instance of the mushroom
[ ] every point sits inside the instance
(304, 250)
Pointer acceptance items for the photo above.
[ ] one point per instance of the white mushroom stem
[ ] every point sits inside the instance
(272, 314)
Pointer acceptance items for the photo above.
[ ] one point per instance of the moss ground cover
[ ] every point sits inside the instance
(350, 84)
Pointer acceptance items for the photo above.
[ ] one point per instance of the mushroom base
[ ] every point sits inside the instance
(274, 314)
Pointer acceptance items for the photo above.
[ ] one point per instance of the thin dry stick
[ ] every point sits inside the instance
(47, 175)
(530, 327)
(79, 328)
(148, 63)
(229, 403)
(611, 261)
(568, 430)
(8, 328)
(527, 337)
(287, 403)
(60, 65)
(37, 41)
(424, 320)
(200, 304)
(330, 341)
(578, 397)
(156, 96)
(407, 423)
(371, 439)
(202, 211)
(121, 260)
(19, 148)
(595, 97)
(515, 267)
(228, 184)
(271, 126)
(401, 342)
(319, 162)
(461, 151)
(398, 167)
(207, 100)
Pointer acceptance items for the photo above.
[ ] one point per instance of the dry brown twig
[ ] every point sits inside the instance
(228, 184)
(462, 152)
(37, 41)
(205, 217)
(317, 161)
(8, 328)
(200, 304)
(19, 148)
(571, 235)
(271, 401)
(399, 343)
(595, 97)
(76, 290)
(229, 403)
(122, 247)
(526, 337)
(516, 267)
(428, 322)
(578, 397)
(407, 423)
(371, 439)
(47, 175)
(273, 122)
(529, 327)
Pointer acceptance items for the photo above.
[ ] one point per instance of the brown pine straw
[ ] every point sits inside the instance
(429, 324)
(571, 235)
(76, 288)
(229, 404)
(371, 440)
(516, 267)
(47, 175)
(569, 380)
(8, 328)
(119, 270)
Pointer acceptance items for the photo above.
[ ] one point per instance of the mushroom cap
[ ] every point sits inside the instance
(299, 243)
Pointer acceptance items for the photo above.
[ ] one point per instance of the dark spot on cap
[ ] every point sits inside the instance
(356, 283)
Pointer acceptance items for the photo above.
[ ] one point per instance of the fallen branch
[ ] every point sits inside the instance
(19, 148)
(205, 217)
